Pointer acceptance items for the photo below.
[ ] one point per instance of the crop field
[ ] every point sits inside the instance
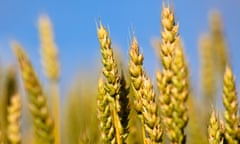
(122, 103)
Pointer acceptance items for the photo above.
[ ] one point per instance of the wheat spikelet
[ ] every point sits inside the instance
(231, 107)
(14, 113)
(42, 122)
(144, 96)
(214, 130)
(113, 84)
(104, 115)
(51, 66)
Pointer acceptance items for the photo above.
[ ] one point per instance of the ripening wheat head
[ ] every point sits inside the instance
(231, 107)
(214, 130)
(42, 121)
(144, 96)
(173, 80)
(49, 51)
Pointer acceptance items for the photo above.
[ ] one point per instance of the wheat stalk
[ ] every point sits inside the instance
(208, 78)
(51, 67)
(231, 107)
(42, 122)
(220, 46)
(1, 138)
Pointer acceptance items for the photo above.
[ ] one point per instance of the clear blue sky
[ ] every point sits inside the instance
(75, 29)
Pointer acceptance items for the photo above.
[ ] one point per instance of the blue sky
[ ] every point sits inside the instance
(74, 24)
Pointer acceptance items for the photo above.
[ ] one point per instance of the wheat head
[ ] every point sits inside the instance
(144, 96)
(42, 121)
(214, 130)
(112, 84)
(14, 114)
(230, 103)
(104, 115)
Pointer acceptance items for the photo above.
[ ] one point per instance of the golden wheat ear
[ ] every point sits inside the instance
(42, 121)
(51, 67)
(173, 80)
(230, 103)
(113, 84)
(14, 113)
(144, 97)
(13, 107)
(104, 115)
(215, 135)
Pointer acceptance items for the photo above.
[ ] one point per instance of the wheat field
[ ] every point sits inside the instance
(125, 105)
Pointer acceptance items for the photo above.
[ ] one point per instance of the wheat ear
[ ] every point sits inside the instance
(14, 113)
(113, 82)
(13, 108)
(144, 97)
(231, 107)
(214, 130)
(169, 34)
(51, 67)
(173, 81)
(49, 51)
(104, 115)
(42, 122)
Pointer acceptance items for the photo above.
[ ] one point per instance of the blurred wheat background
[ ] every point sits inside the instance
(119, 72)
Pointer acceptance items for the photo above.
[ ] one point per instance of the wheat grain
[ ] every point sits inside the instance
(208, 78)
